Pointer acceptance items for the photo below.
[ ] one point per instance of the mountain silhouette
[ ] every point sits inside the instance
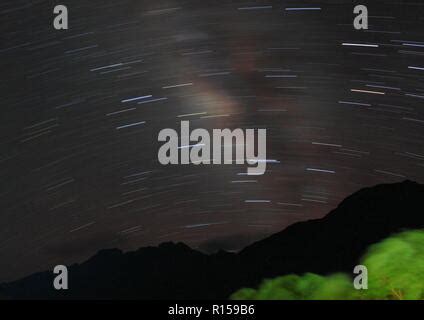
(334, 243)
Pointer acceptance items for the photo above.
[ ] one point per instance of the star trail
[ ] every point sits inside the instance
(81, 110)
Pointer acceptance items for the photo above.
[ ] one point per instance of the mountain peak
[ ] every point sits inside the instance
(334, 243)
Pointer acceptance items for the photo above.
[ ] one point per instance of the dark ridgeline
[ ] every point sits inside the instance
(174, 271)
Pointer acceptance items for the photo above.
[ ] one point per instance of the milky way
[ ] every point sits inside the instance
(81, 110)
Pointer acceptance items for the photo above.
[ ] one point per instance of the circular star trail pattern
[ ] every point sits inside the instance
(81, 110)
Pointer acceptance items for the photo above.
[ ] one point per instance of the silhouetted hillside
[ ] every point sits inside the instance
(174, 271)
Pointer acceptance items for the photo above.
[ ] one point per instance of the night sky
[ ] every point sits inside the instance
(343, 109)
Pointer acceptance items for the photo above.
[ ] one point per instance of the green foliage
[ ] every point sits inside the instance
(396, 267)
(395, 271)
(294, 287)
